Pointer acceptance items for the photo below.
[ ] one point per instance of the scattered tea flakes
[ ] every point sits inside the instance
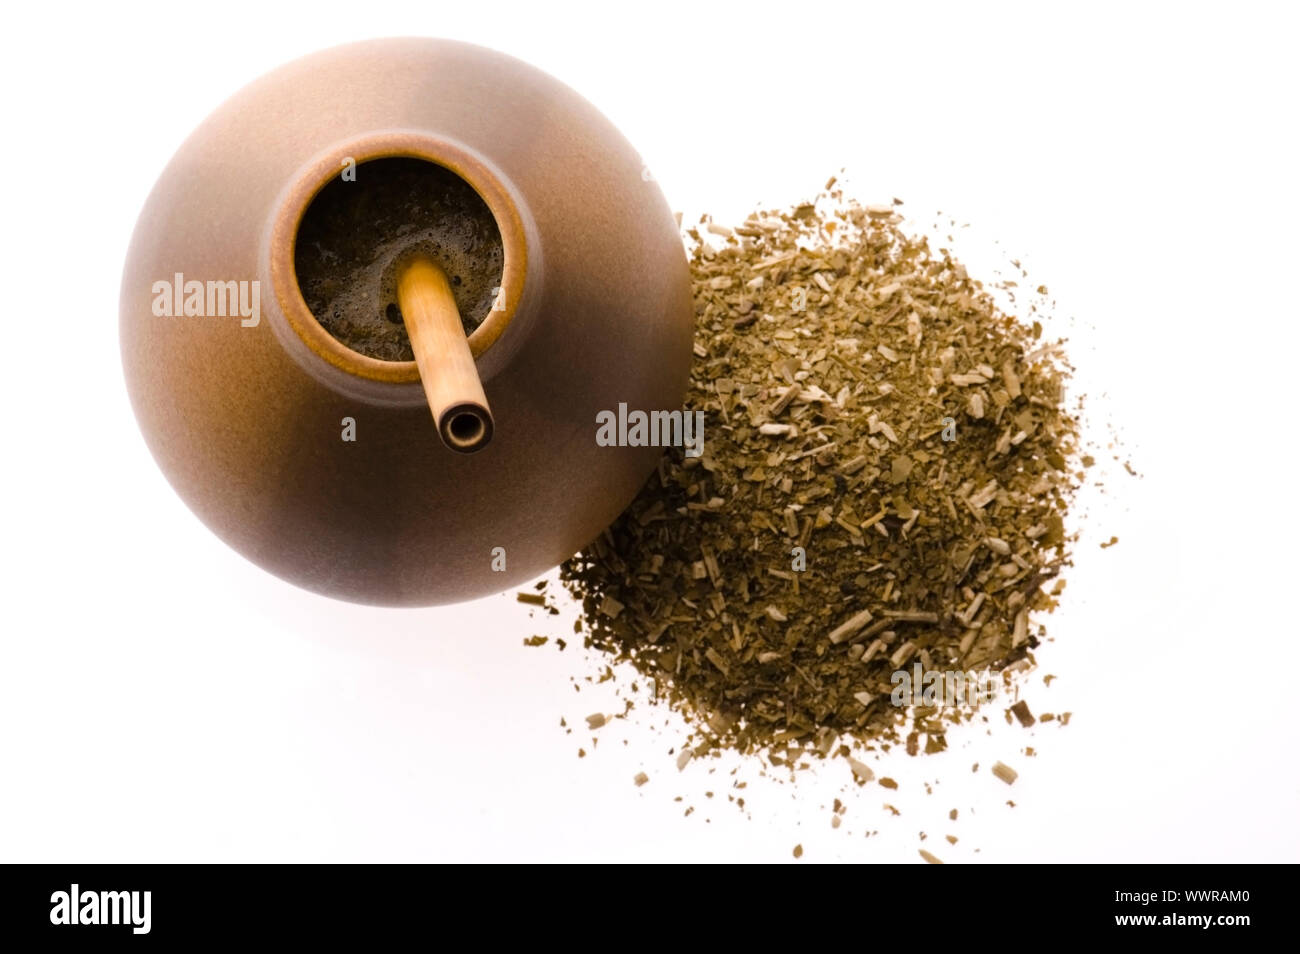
(683, 757)
(953, 814)
(836, 527)
(640, 778)
(532, 599)
(798, 851)
(596, 720)
(952, 839)
(1110, 543)
(1021, 711)
(535, 641)
(835, 821)
(930, 859)
(888, 782)
(1005, 772)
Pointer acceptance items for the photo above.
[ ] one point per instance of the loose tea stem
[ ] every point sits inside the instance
(447, 368)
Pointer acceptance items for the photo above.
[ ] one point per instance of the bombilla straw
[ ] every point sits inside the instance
(447, 368)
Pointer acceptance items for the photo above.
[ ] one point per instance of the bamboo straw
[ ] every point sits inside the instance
(447, 369)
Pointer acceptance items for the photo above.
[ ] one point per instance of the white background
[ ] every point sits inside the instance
(162, 699)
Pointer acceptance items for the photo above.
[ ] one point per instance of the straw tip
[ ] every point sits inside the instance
(466, 428)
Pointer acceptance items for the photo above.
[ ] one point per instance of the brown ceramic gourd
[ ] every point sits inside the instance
(247, 420)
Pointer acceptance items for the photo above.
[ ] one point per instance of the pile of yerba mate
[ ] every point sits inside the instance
(887, 464)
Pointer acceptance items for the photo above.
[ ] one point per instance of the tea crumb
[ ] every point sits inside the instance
(1005, 772)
